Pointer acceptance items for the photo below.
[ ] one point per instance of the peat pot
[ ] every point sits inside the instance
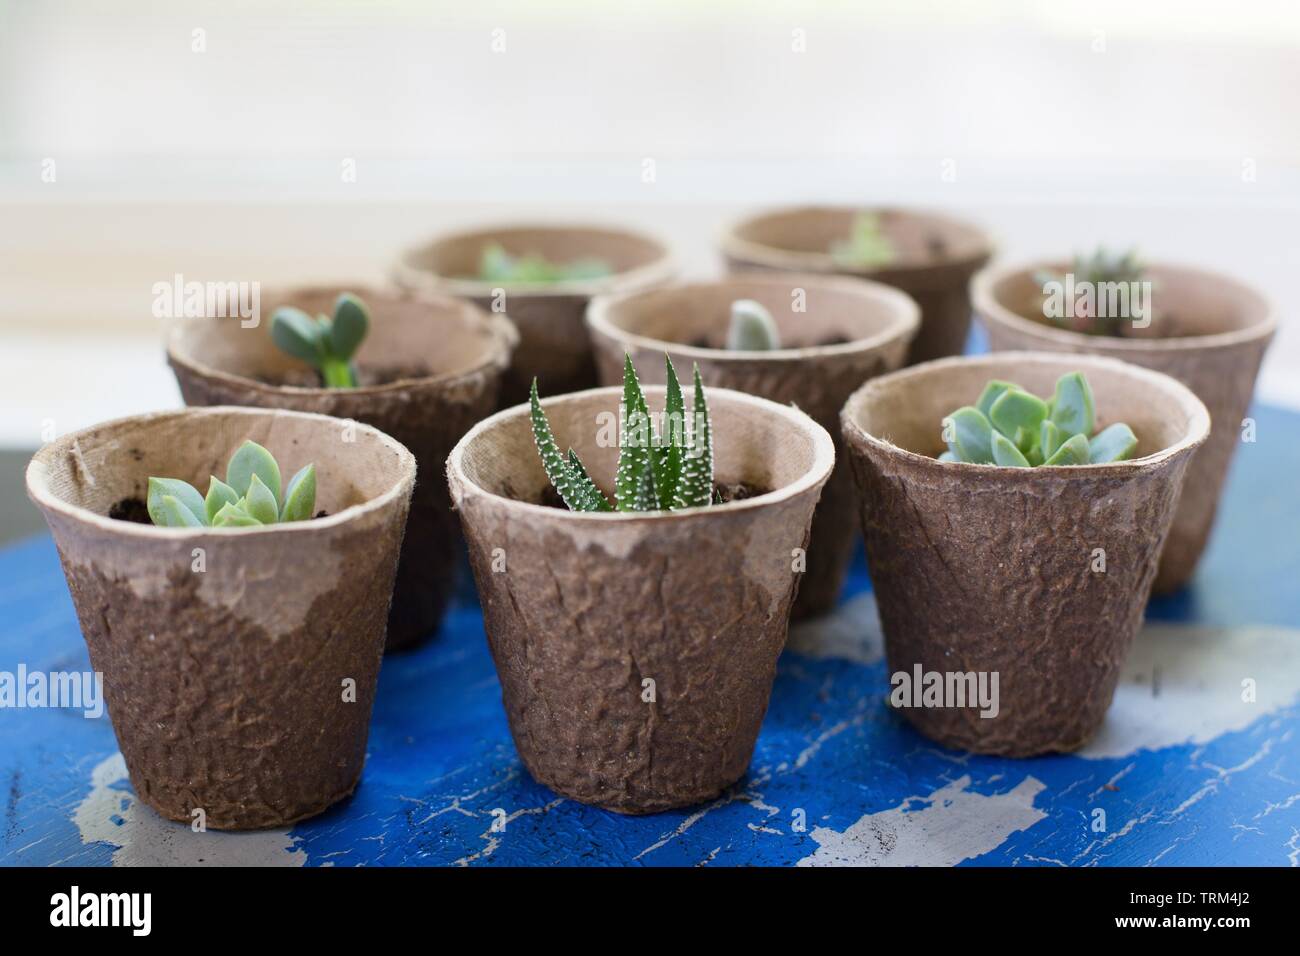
(935, 259)
(1208, 331)
(430, 368)
(848, 331)
(636, 652)
(1035, 576)
(553, 343)
(227, 654)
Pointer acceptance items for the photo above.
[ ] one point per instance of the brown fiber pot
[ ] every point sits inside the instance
(1222, 330)
(461, 351)
(581, 610)
(553, 343)
(226, 653)
(981, 569)
(936, 258)
(874, 322)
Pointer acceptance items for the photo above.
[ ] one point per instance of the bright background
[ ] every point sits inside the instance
(1169, 124)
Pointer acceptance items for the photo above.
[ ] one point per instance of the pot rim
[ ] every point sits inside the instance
(816, 474)
(988, 307)
(412, 277)
(1198, 426)
(501, 328)
(903, 321)
(747, 250)
(38, 489)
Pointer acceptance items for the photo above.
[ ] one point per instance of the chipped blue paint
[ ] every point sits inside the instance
(830, 753)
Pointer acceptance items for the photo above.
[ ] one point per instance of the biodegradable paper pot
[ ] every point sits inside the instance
(1223, 328)
(455, 355)
(225, 652)
(936, 258)
(981, 569)
(582, 610)
(870, 324)
(553, 343)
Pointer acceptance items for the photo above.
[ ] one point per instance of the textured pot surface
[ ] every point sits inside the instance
(637, 652)
(935, 258)
(225, 652)
(455, 356)
(553, 343)
(1220, 330)
(987, 570)
(869, 324)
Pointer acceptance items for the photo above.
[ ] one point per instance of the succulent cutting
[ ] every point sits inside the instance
(497, 265)
(327, 343)
(867, 246)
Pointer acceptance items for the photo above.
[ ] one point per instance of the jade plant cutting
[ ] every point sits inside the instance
(1008, 426)
(867, 246)
(327, 343)
(497, 265)
(664, 469)
(249, 497)
(1088, 283)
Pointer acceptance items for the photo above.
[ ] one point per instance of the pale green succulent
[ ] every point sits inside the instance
(497, 265)
(867, 247)
(249, 497)
(665, 471)
(1010, 427)
(327, 343)
(752, 328)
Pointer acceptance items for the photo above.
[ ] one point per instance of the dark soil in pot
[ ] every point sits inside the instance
(1209, 331)
(462, 353)
(582, 609)
(935, 256)
(987, 570)
(850, 331)
(226, 653)
(553, 343)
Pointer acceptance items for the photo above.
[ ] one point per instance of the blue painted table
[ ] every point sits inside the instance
(1184, 771)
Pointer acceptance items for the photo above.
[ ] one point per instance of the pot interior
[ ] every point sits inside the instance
(408, 339)
(1184, 302)
(459, 256)
(757, 443)
(699, 314)
(907, 408)
(918, 238)
(97, 468)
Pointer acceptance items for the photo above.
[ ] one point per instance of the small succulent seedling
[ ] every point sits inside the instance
(249, 497)
(1010, 427)
(327, 343)
(1097, 270)
(664, 469)
(867, 247)
(497, 265)
(751, 328)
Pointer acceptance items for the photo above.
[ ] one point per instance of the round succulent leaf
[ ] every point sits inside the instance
(1014, 410)
(300, 495)
(260, 503)
(992, 392)
(350, 325)
(219, 493)
(1050, 438)
(1113, 443)
(1072, 405)
(295, 332)
(1073, 452)
(170, 512)
(972, 436)
(182, 492)
(252, 459)
(234, 516)
(1005, 452)
(751, 328)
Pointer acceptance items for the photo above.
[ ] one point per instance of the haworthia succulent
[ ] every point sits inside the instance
(663, 469)
(1008, 426)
